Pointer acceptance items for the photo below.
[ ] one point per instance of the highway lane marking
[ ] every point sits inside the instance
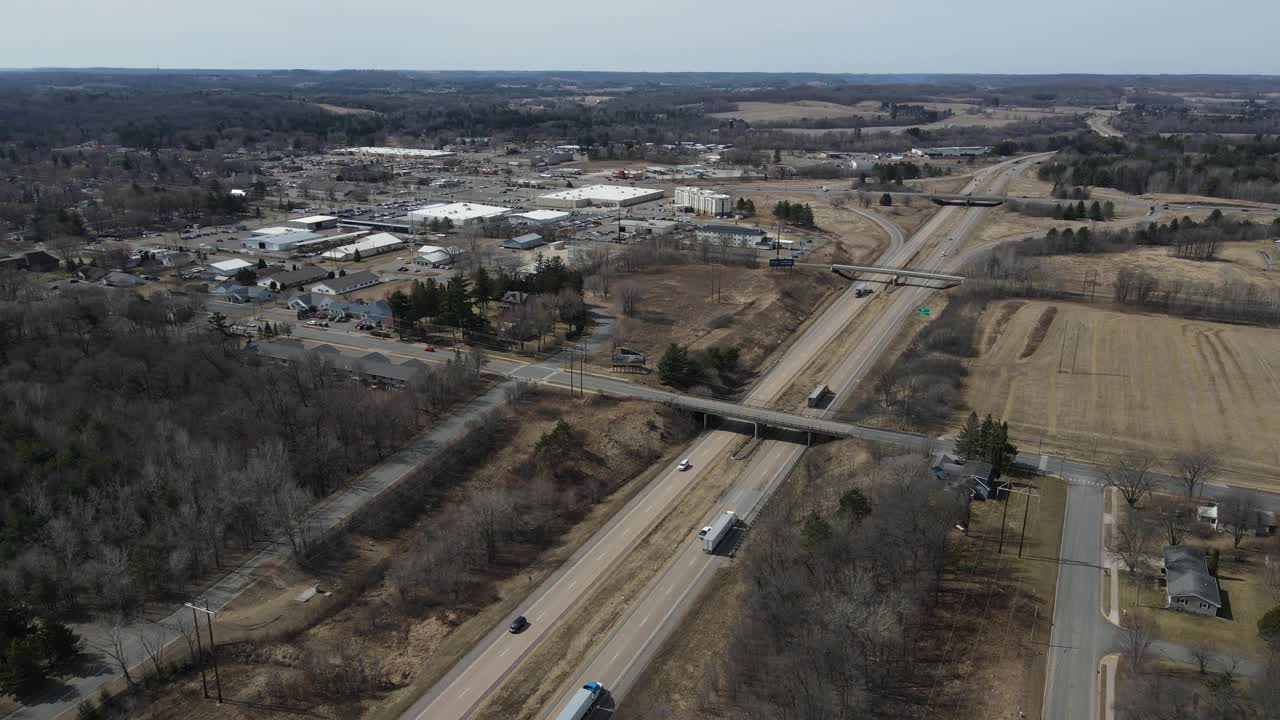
(504, 652)
(572, 584)
(669, 589)
(693, 559)
(645, 620)
(464, 692)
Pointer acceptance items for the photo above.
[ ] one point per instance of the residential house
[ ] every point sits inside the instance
(31, 260)
(1188, 585)
(977, 476)
(346, 283)
(235, 293)
(1208, 514)
(90, 273)
(514, 297)
(121, 280)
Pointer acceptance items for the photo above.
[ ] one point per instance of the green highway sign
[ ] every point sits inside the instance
(923, 312)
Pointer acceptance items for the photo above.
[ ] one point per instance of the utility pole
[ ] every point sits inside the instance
(1023, 538)
(204, 680)
(208, 616)
(1003, 515)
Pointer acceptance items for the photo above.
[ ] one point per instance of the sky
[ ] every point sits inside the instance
(854, 36)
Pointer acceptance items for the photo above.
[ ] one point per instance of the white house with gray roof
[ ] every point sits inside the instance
(1188, 585)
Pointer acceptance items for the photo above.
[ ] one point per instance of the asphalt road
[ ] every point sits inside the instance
(618, 661)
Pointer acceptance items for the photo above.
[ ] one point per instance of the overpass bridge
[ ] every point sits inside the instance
(766, 417)
(967, 200)
(897, 272)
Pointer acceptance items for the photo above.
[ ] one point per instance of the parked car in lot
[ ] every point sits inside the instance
(429, 348)
(318, 323)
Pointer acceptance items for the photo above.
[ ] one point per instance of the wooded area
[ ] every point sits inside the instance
(140, 447)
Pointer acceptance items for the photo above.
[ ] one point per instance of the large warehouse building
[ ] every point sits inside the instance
(538, 217)
(600, 196)
(314, 222)
(704, 202)
(278, 239)
(420, 153)
(458, 213)
(368, 247)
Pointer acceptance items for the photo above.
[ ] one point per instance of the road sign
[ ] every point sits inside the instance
(781, 262)
(923, 312)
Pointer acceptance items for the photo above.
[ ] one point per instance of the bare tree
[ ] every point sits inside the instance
(1137, 639)
(1236, 512)
(1133, 535)
(1174, 517)
(113, 646)
(1202, 653)
(1193, 467)
(631, 297)
(152, 642)
(1131, 475)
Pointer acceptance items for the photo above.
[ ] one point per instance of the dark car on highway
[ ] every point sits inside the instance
(518, 625)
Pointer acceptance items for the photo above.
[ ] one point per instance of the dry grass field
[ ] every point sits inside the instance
(798, 110)
(1110, 382)
(757, 309)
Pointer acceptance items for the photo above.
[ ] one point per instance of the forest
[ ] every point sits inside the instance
(1239, 168)
(140, 448)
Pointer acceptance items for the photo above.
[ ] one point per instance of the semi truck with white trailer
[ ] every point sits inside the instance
(582, 702)
(712, 534)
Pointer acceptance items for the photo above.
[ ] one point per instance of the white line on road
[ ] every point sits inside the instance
(575, 582)
(669, 589)
(645, 620)
(504, 652)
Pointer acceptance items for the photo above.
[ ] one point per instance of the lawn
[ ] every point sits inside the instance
(1008, 654)
(1245, 599)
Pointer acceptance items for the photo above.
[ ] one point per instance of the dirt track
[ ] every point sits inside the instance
(1121, 382)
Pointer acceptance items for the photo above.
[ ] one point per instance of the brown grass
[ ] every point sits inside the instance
(1133, 382)
(415, 652)
(1039, 331)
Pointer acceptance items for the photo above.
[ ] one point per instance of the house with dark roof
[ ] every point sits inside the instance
(346, 283)
(233, 292)
(371, 368)
(32, 260)
(293, 278)
(975, 475)
(1188, 585)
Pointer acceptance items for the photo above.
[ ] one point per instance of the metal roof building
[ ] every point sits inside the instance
(368, 247)
(394, 152)
(460, 213)
(600, 195)
(538, 217)
(523, 242)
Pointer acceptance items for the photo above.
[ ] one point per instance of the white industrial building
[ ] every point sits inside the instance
(368, 247)
(460, 213)
(314, 222)
(278, 239)
(600, 195)
(393, 152)
(435, 256)
(733, 235)
(538, 217)
(703, 201)
(230, 267)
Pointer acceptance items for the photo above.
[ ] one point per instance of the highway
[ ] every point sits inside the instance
(619, 660)
(478, 674)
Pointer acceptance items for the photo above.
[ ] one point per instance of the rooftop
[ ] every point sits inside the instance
(1187, 573)
(606, 193)
(346, 283)
(458, 212)
(542, 214)
(732, 230)
(315, 219)
(397, 152)
(230, 266)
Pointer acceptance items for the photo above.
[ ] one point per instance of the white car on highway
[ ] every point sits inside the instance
(684, 465)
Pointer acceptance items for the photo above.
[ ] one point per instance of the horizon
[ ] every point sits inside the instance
(982, 37)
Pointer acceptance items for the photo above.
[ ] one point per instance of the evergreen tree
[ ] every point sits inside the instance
(967, 442)
(21, 672)
(1081, 211)
(262, 263)
(751, 208)
(1095, 211)
(886, 200)
(356, 255)
(482, 287)
(777, 156)
(401, 311)
(677, 369)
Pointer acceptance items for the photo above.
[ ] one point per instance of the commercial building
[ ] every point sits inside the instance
(314, 222)
(703, 201)
(346, 283)
(953, 151)
(735, 235)
(600, 196)
(230, 267)
(647, 227)
(538, 217)
(368, 247)
(523, 242)
(419, 153)
(278, 239)
(293, 278)
(436, 256)
(460, 213)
